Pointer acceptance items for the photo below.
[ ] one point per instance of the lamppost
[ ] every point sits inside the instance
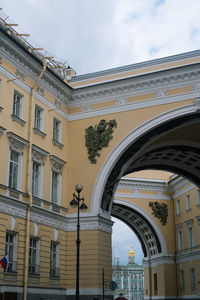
(78, 202)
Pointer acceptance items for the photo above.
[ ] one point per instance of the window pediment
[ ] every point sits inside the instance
(17, 143)
(38, 155)
(57, 163)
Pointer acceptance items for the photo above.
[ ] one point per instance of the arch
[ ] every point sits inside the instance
(177, 117)
(143, 225)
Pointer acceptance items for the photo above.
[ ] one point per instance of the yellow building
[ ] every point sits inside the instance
(57, 130)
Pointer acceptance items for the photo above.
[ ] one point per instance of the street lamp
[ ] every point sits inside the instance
(78, 202)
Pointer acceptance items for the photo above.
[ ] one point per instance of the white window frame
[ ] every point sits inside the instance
(37, 193)
(34, 265)
(17, 145)
(38, 157)
(56, 199)
(178, 207)
(11, 255)
(54, 259)
(41, 118)
(188, 206)
(57, 166)
(14, 170)
(20, 98)
(57, 130)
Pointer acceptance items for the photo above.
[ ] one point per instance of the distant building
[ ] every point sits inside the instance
(129, 278)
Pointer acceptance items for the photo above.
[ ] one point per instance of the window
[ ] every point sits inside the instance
(56, 130)
(34, 256)
(190, 237)
(178, 207)
(188, 202)
(35, 179)
(11, 251)
(54, 259)
(56, 176)
(13, 169)
(38, 118)
(193, 279)
(182, 283)
(17, 145)
(55, 187)
(198, 197)
(180, 239)
(17, 105)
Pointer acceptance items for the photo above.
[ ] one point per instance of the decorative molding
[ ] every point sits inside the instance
(58, 144)
(38, 155)
(138, 195)
(197, 102)
(160, 211)
(2, 129)
(121, 101)
(57, 163)
(159, 260)
(90, 223)
(87, 108)
(98, 137)
(142, 184)
(17, 143)
(18, 120)
(41, 133)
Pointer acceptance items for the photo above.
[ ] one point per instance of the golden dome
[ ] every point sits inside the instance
(131, 252)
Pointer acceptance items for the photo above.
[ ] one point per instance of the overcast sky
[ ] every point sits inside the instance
(94, 35)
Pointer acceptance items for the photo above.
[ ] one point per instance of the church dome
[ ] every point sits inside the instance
(131, 252)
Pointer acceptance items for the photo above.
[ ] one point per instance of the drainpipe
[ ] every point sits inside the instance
(28, 178)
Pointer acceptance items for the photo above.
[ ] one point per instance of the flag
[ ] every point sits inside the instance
(4, 263)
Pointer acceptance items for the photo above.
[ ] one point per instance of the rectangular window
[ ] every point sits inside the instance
(34, 254)
(54, 259)
(17, 105)
(55, 187)
(13, 169)
(178, 207)
(193, 279)
(11, 251)
(35, 179)
(198, 197)
(56, 130)
(190, 237)
(180, 239)
(182, 283)
(38, 118)
(188, 202)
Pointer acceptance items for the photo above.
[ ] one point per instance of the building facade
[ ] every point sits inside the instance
(129, 278)
(142, 117)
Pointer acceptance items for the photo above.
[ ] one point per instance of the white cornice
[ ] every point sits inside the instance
(39, 215)
(133, 106)
(98, 112)
(188, 257)
(159, 260)
(162, 62)
(137, 195)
